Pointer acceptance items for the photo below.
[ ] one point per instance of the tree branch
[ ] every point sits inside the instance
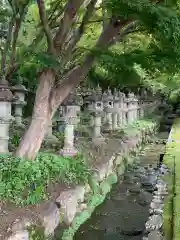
(7, 45)
(46, 28)
(73, 77)
(18, 22)
(128, 29)
(70, 13)
(79, 32)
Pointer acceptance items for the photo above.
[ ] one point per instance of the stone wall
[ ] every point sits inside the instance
(74, 206)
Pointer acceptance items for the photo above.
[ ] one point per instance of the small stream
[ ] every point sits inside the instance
(126, 209)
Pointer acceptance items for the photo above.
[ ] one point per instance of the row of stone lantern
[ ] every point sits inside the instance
(108, 111)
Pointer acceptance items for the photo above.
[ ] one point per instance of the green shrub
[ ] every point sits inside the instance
(25, 182)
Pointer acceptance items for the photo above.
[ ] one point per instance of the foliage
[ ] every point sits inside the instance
(24, 182)
(147, 57)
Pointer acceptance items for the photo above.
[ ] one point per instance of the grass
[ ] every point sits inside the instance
(172, 203)
(25, 182)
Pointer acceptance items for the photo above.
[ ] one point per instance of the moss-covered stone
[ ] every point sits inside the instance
(94, 185)
(172, 202)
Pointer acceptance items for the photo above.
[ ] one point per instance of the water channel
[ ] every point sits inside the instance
(126, 209)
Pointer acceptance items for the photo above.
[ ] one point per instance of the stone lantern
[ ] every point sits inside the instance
(116, 110)
(95, 106)
(138, 106)
(142, 106)
(135, 107)
(6, 98)
(130, 113)
(79, 102)
(108, 101)
(60, 119)
(122, 109)
(70, 120)
(19, 101)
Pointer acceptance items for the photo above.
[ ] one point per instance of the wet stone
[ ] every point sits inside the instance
(136, 188)
(149, 188)
(155, 235)
(131, 180)
(89, 235)
(118, 236)
(154, 222)
(144, 198)
(119, 196)
(161, 193)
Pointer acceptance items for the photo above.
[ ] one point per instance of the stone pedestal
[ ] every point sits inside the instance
(49, 134)
(5, 115)
(141, 110)
(124, 113)
(69, 149)
(96, 135)
(60, 119)
(19, 96)
(108, 123)
(114, 121)
(121, 113)
(108, 108)
(115, 125)
(135, 112)
(119, 118)
(130, 113)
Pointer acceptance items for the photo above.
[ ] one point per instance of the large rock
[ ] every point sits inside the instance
(154, 222)
(22, 235)
(50, 218)
(68, 201)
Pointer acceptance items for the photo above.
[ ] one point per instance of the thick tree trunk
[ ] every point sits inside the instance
(34, 136)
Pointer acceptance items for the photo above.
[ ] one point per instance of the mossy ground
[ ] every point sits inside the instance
(172, 203)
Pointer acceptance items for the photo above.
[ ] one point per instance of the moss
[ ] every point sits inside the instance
(167, 213)
(94, 185)
(112, 178)
(121, 170)
(36, 233)
(94, 201)
(105, 187)
(172, 203)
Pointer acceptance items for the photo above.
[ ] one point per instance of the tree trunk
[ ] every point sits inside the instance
(42, 112)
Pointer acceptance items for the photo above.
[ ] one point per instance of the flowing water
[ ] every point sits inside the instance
(126, 209)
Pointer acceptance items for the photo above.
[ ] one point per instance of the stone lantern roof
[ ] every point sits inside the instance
(19, 88)
(96, 95)
(121, 95)
(107, 96)
(73, 99)
(5, 91)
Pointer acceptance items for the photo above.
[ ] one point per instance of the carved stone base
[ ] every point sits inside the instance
(98, 140)
(51, 139)
(68, 152)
